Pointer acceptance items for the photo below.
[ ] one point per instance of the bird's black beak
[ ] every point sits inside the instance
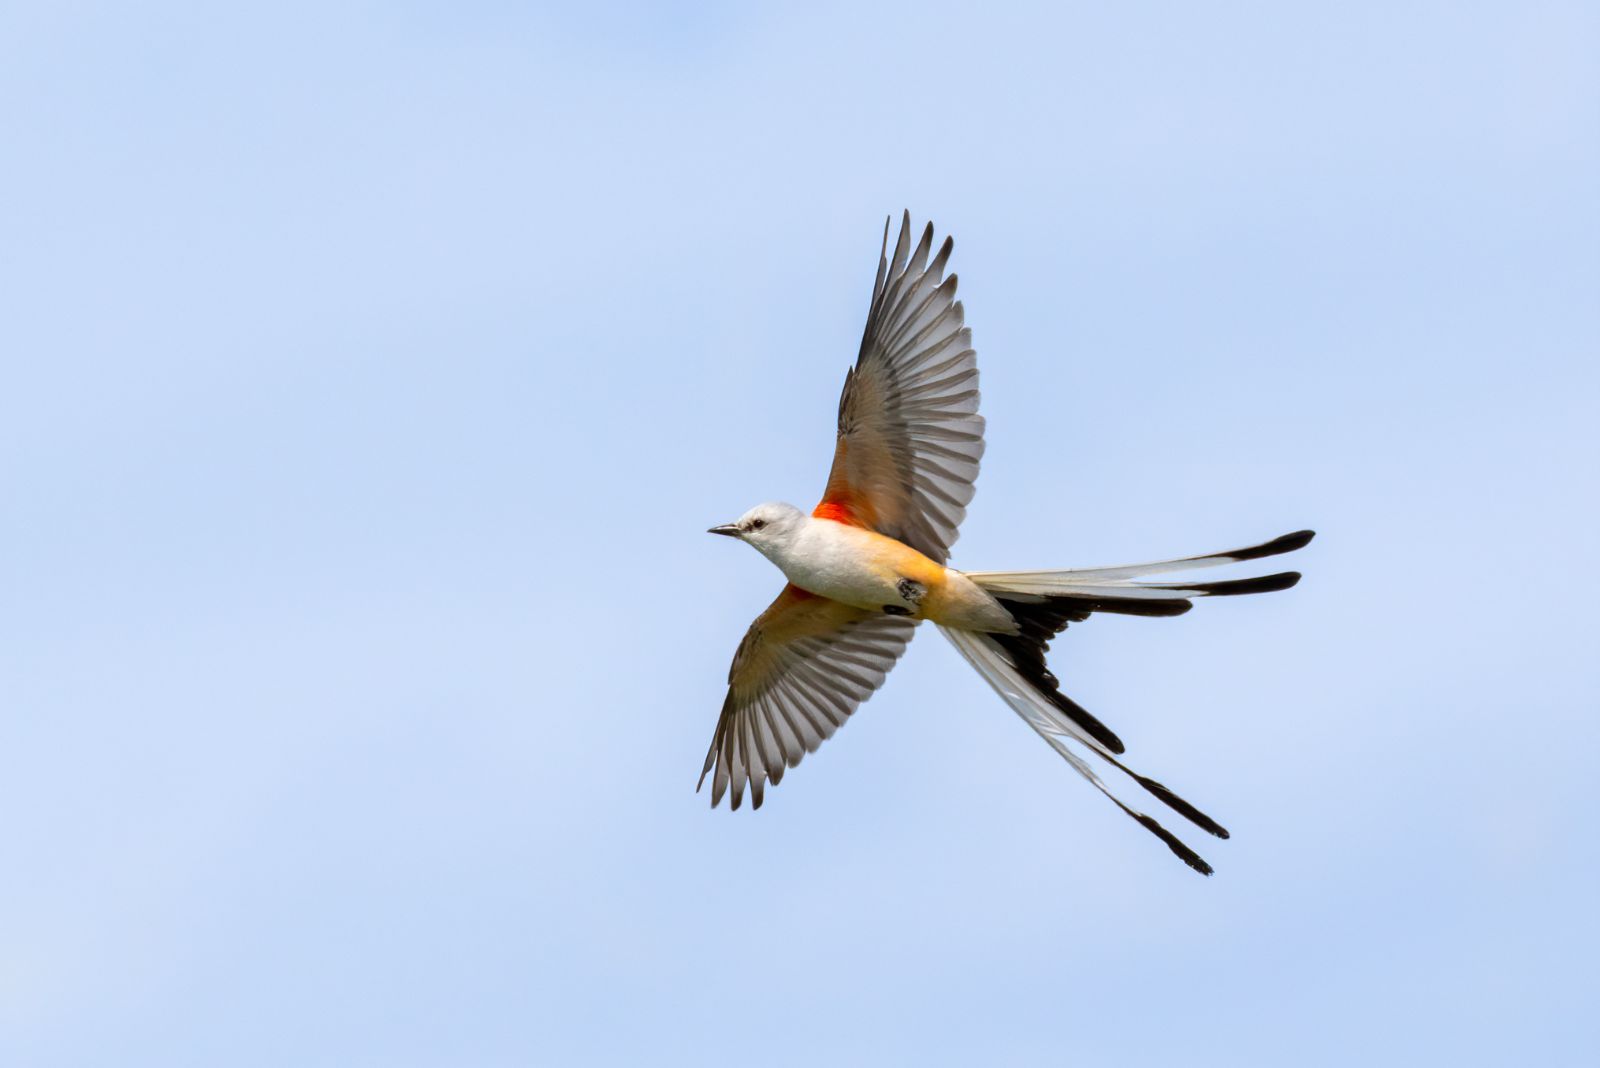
(730, 529)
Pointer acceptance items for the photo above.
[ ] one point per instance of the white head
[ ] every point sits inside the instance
(766, 527)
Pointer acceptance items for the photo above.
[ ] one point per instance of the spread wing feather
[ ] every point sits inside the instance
(803, 667)
(910, 436)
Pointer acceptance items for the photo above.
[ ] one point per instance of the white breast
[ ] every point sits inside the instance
(837, 561)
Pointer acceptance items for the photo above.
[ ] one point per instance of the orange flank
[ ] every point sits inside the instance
(905, 562)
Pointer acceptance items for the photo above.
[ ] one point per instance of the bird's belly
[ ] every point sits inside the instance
(855, 582)
(866, 570)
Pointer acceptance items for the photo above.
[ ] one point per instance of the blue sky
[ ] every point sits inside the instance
(372, 373)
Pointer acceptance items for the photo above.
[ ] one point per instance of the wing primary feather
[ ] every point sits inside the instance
(894, 341)
(716, 738)
(739, 773)
(788, 739)
(942, 257)
(902, 246)
(956, 363)
(897, 343)
(724, 772)
(754, 724)
(912, 395)
(801, 715)
(919, 258)
(883, 272)
(896, 277)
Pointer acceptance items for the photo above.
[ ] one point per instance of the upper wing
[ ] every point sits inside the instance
(910, 436)
(805, 664)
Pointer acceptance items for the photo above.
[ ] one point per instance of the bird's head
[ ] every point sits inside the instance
(766, 526)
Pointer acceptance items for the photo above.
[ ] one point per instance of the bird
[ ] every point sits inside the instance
(869, 563)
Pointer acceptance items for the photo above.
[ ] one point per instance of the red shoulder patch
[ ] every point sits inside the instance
(838, 511)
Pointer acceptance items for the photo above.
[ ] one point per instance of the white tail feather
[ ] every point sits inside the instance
(979, 651)
(1024, 700)
(1042, 603)
(1059, 581)
(1068, 583)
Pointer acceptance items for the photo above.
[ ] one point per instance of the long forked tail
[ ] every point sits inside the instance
(1044, 603)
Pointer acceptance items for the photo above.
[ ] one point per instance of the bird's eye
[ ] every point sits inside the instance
(757, 524)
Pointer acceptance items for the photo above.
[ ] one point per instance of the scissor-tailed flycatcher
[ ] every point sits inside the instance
(868, 563)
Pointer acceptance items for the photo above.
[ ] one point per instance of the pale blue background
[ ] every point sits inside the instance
(371, 373)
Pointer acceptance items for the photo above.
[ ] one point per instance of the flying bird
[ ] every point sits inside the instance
(869, 563)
